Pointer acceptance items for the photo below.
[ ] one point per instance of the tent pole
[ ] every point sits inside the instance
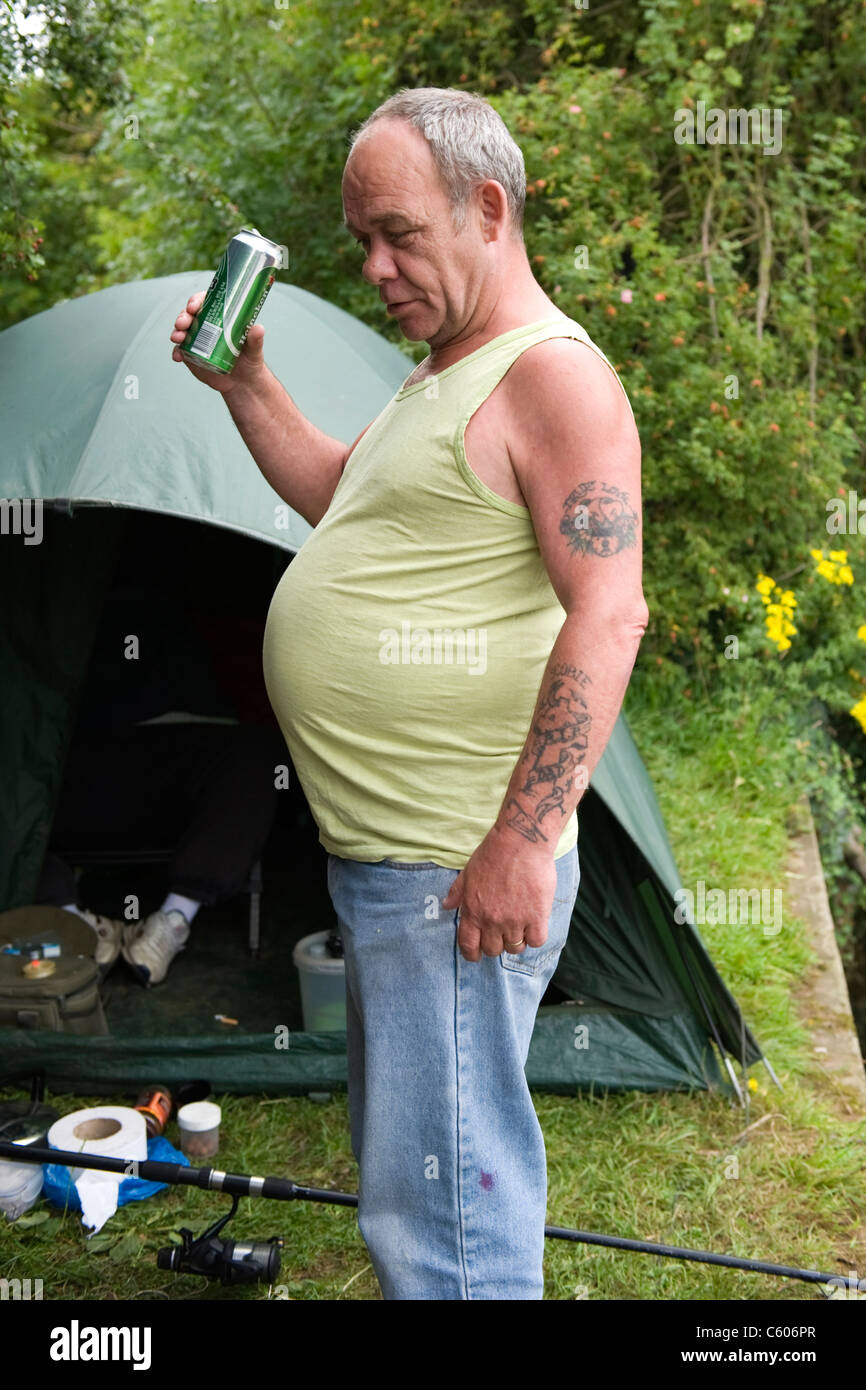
(731, 1073)
(773, 1075)
(744, 1068)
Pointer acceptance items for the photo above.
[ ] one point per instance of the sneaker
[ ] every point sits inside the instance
(151, 946)
(109, 933)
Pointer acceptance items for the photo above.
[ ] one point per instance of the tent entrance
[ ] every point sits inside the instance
(216, 974)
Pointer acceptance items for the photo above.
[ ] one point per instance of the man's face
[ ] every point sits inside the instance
(397, 208)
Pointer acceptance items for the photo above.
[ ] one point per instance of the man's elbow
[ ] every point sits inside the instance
(638, 618)
(628, 620)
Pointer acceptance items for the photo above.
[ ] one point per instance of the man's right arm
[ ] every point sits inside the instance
(302, 464)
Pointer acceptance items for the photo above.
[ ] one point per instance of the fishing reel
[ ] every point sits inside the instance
(230, 1261)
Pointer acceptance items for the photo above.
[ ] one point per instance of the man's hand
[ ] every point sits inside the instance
(249, 367)
(301, 464)
(505, 895)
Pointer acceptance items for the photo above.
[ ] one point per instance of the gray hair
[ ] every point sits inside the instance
(469, 142)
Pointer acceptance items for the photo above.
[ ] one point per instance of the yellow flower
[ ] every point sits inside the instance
(780, 610)
(861, 633)
(835, 570)
(859, 713)
(753, 1085)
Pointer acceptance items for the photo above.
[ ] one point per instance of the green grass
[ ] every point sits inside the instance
(662, 1167)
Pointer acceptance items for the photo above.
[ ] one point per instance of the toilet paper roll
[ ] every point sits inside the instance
(114, 1131)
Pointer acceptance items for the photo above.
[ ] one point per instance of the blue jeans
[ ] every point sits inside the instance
(453, 1173)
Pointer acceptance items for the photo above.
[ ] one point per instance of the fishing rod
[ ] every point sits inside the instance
(251, 1261)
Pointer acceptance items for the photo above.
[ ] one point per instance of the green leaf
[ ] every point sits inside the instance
(32, 1218)
(97, 1244)
(738, 33)
(126, 1248)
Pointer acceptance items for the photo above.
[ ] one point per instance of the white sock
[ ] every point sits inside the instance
(175, 902)
(71, 907)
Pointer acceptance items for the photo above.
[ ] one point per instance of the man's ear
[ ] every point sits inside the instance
(492, 202)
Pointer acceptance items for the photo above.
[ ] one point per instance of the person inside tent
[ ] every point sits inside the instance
(158, 755)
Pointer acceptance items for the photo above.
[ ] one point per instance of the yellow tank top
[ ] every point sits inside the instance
(406, 642)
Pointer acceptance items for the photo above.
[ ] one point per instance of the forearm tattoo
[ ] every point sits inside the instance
(598, 519)
(558, 745)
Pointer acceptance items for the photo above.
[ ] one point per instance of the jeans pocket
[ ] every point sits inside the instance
(533, 960)
(567, 892)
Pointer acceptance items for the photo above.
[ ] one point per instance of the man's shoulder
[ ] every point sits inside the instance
(568, 350)
(566, 377)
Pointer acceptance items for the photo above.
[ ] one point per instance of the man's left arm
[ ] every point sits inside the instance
(575, 451)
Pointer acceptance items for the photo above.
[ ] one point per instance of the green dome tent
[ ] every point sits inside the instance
(98, 423)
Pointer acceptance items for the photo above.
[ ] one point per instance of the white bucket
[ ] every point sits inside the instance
(323, 984)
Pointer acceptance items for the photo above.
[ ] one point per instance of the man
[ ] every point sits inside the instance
(447, 656)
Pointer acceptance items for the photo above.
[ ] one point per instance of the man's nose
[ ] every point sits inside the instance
(379, 265)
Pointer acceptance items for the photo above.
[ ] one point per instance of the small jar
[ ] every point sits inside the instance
(199, 1124)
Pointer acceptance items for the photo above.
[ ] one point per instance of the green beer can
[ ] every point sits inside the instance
(235, 295)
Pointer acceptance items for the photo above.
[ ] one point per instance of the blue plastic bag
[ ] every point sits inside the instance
(61, 1191)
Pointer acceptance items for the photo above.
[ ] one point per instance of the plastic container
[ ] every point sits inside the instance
(20, 1186)
(323, 984)
(199, 1124)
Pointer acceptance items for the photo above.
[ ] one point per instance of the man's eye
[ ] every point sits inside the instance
(399, 238)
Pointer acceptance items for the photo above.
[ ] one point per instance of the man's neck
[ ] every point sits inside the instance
(513, 311)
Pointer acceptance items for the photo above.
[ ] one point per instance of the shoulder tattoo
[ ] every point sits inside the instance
(598, 519)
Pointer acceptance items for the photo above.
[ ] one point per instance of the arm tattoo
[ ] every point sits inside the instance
(598, 519)
(517, 818)
(560, 737)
